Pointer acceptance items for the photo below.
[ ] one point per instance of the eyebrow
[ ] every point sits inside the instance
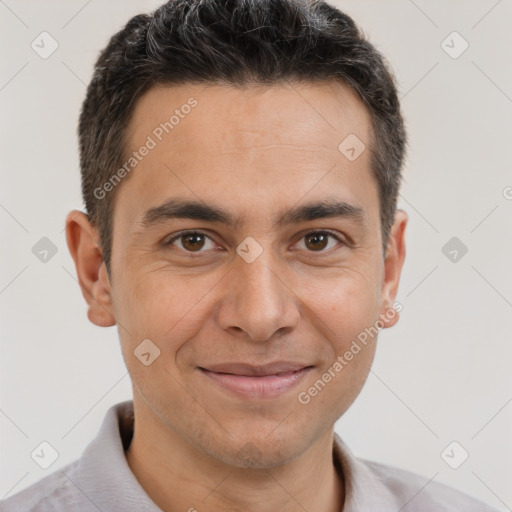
(177, 208)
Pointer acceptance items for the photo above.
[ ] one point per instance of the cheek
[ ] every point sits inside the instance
(163, 307)
(345, 304)
(347, 318)
(345, 311)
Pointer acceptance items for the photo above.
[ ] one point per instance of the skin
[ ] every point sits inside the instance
(256, 151)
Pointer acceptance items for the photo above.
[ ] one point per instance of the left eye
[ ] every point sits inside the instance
(319, 240)
(194, 241)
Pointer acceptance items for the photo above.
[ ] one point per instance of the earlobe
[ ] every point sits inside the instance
(83, 244)
(395, 256)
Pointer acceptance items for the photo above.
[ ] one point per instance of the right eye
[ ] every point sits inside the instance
(190, 241)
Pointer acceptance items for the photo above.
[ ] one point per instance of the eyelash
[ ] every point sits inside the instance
(330, 234)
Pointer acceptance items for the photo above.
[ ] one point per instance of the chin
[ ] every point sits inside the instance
(261, 451)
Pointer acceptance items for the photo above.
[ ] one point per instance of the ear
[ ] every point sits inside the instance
(395, 256)
(83, 244)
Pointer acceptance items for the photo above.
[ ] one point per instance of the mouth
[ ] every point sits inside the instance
(256, 382)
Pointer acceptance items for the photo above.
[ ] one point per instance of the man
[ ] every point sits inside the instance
(240, 169)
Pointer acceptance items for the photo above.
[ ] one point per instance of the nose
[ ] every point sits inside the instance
(259, 300)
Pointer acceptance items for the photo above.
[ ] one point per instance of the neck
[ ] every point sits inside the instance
(177, 476)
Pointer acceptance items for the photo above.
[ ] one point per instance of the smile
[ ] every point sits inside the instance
(250, 385)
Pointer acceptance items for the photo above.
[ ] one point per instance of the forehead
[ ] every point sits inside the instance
(228, 116)
(258, 148)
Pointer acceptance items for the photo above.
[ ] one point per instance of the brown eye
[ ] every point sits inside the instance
(318, 241)
(191, 242)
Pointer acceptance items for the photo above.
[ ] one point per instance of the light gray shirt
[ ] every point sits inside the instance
(101, 480)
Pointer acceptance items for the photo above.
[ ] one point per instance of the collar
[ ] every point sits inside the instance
(104, 476)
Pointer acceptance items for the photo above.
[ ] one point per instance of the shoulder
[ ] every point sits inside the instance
(53, 493)
(417, 493)
(95, 478)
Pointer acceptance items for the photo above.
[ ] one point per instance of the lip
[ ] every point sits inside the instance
(257, 382)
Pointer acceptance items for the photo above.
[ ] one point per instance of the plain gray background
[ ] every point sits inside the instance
(441, 375)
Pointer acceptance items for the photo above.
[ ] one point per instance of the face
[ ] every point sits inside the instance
(276, 269)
